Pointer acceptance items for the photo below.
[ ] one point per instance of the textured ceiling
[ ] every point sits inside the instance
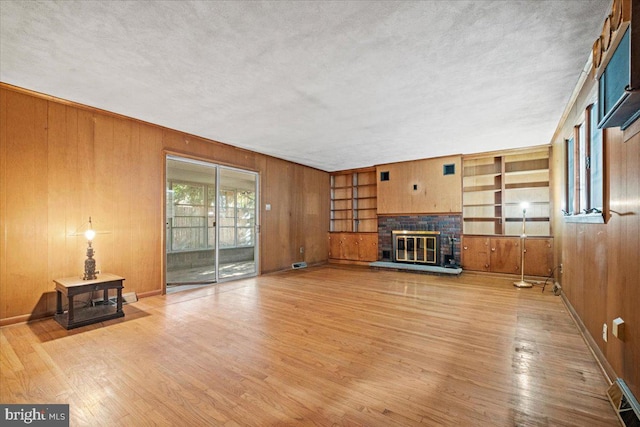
(332, 84)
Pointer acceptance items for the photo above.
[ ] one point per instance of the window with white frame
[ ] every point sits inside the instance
(237, 218)
(585, 167)
(193, 221)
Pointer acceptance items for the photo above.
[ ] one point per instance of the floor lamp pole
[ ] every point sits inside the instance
(523, 237)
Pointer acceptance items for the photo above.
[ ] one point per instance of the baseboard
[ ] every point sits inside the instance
(150, 293)
(604, 364)
(21, 319)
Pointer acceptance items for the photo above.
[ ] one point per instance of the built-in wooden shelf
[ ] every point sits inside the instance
(482, 170)
(481, 188)
(483, 204)
(527, 185)
(526, 166)
(354, 201)
(495, 184)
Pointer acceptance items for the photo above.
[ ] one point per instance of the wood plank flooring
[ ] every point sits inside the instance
(330, 345)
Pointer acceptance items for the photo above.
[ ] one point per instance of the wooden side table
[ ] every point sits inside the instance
(72, 286)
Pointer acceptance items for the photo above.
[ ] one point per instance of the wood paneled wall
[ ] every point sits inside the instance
(61, 163)
(299, 199)
(434, 193)
(601, 278)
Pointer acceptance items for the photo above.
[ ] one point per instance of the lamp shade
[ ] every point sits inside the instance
(90, 234)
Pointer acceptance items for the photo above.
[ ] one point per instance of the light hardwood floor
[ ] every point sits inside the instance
(330, 345)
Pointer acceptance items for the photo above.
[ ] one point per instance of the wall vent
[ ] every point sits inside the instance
(297, 265)
(624, 403)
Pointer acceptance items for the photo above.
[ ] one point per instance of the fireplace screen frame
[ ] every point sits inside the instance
(416, 247)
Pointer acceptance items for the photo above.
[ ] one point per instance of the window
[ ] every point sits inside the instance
(582, 165)
(571, 177)
(193, 220)
(188, 216)
(585, 165)
(246, 220)
(237, 218)
(596, 163)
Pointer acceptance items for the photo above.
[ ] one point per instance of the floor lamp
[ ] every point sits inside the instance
(523, 237)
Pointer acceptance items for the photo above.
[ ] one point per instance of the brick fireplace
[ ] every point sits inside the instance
(449, 226)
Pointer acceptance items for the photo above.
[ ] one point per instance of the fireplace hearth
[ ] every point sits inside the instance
(416, 247)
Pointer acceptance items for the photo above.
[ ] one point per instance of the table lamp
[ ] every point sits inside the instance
(89, 263)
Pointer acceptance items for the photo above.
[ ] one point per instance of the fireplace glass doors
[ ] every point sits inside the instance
(416, 247)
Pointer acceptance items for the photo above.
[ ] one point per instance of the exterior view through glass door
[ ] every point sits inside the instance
(211, 223)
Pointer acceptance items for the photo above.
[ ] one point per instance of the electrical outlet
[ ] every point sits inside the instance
(301, 249)
(560, 268)
(604, 332)
(617, 328)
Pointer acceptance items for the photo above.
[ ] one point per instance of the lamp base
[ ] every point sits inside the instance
(522, 284)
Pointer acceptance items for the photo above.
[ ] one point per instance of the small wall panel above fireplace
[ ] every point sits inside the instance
(420, 187)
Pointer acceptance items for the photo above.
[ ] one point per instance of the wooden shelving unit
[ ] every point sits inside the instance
(354, 201)
(494, 186)
(526, 179)
(482, 189)
(342, 202)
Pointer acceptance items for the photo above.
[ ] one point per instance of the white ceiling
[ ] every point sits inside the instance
(329, 84)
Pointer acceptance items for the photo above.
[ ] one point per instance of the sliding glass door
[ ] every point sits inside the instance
(237, 222)
(211, 223)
